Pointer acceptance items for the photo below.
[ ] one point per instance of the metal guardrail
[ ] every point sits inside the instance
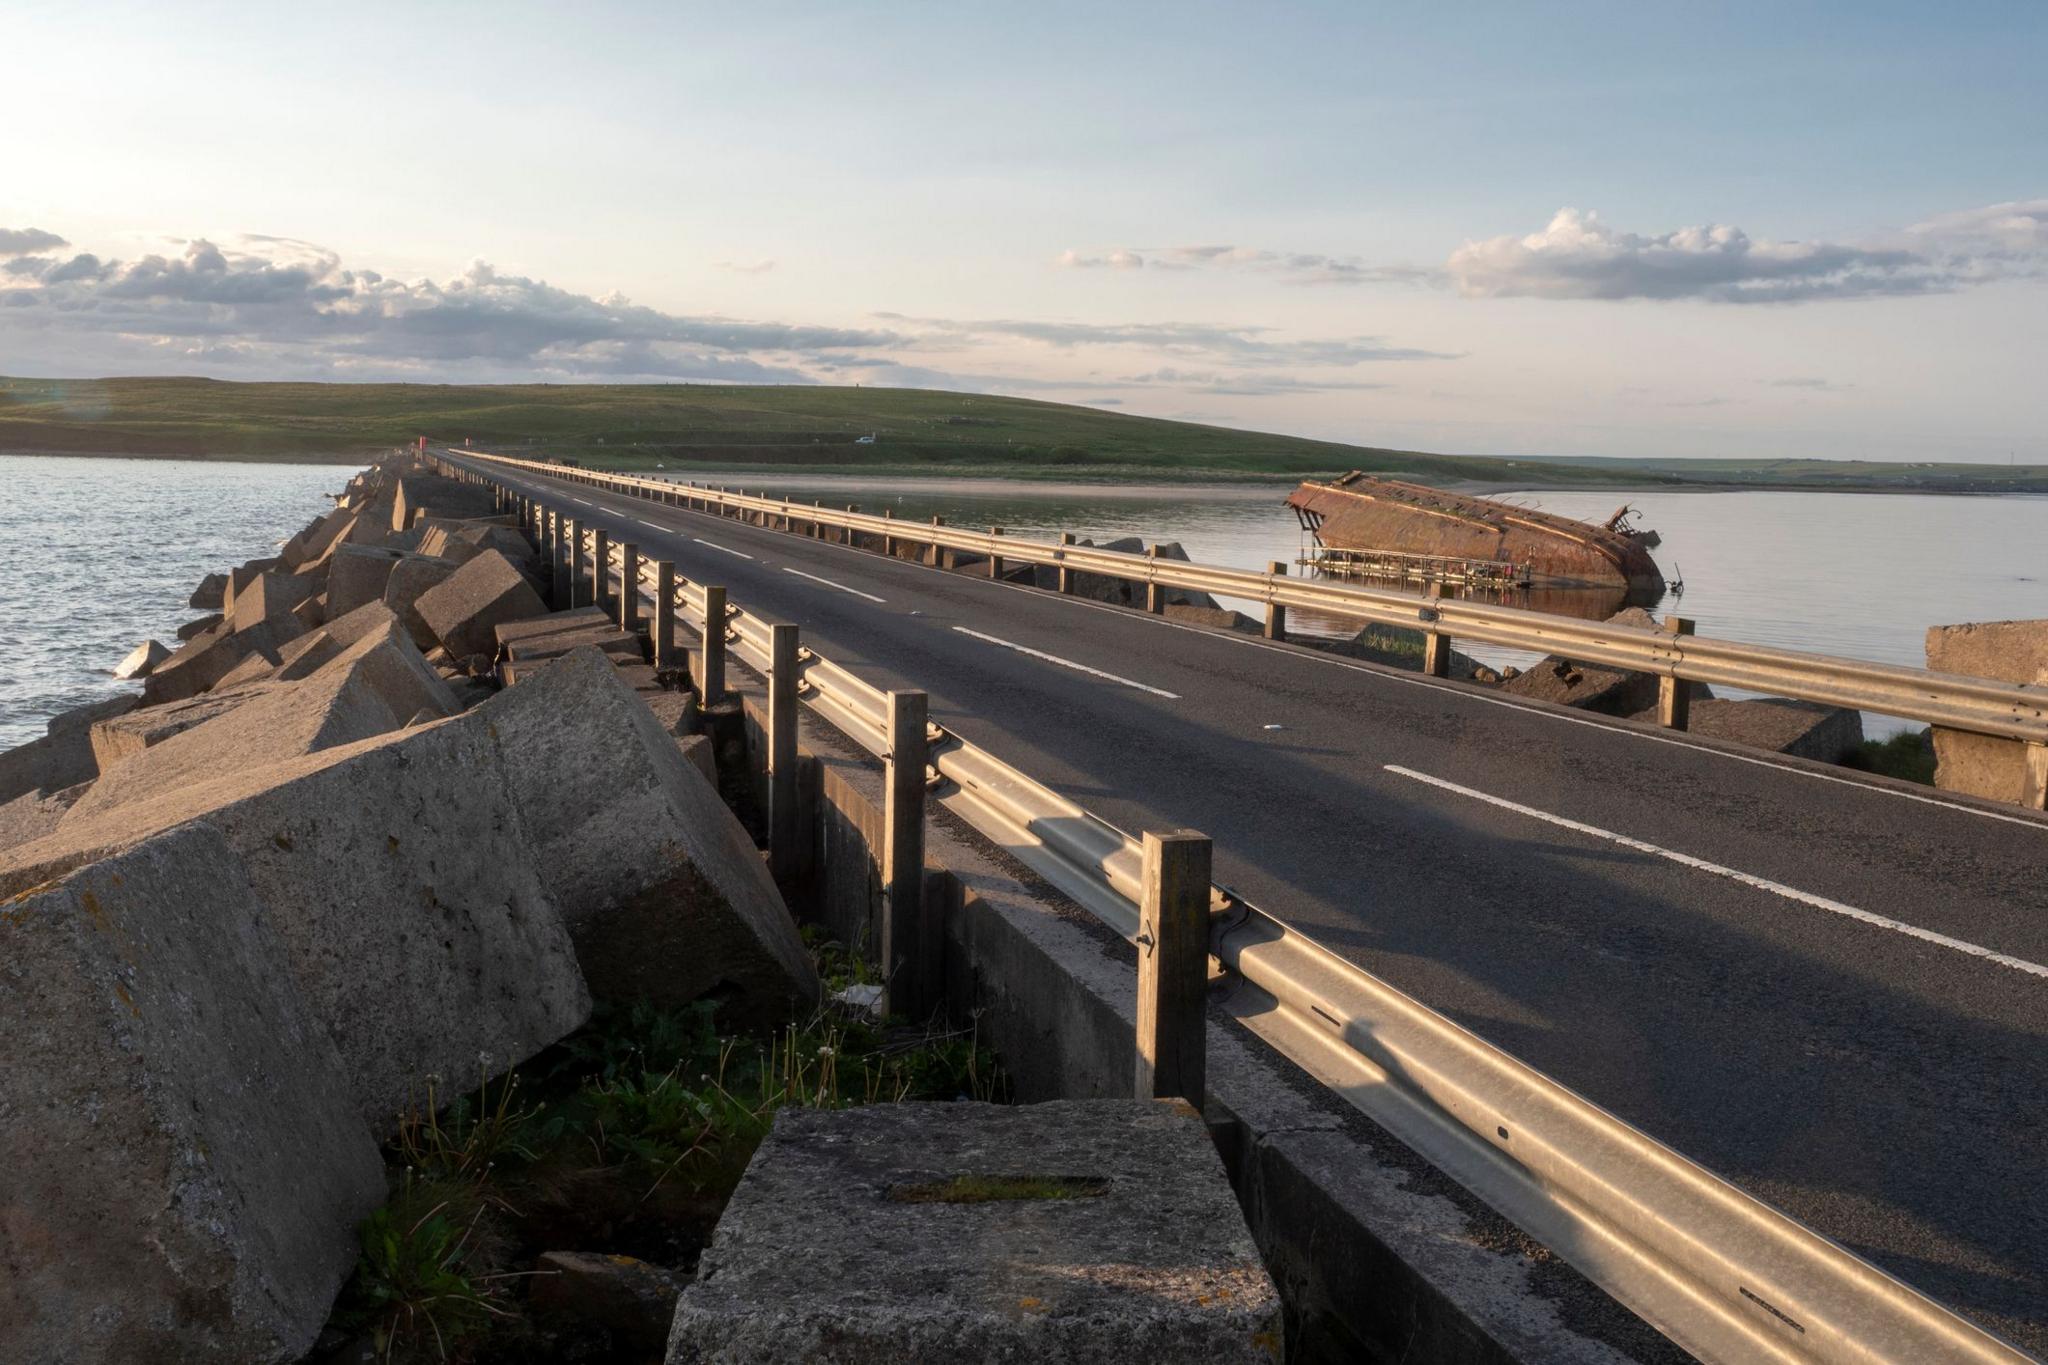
(1723, 1274)
(1954, 701)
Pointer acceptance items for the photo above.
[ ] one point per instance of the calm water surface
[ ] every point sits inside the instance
(101, 554)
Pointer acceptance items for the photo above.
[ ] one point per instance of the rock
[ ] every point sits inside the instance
(540, 638)
(464, 610)
(1482, 674)
(702, 755)
(141, 661)
(1397, 647)
(241, 576)
(665, 894)
(1590, 687)
(34, 814)
(1184, 597)
(184, 1168)
(357, 574)
(401, 880)
(209, 657)
(631, 1299)
(121, 737)
(322, 537)
(1804, 729)
(211, 594)
(1075, 1231)
(2010, 651)
(200, 626)
(411, 578)
(1215, 618)
(63, 756)
(419, 495)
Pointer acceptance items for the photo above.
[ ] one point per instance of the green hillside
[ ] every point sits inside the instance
(789, 426)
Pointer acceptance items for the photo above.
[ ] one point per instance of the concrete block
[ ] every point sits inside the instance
(357, 574)
(242, 575)
(416, 495)
(411, 578)
(199, 626)
(399, 876)
(184, 1166)
(1072, 1231)
(141, 661)
(63, 756)
(665, 894)
(209, 657)
(1804, 729)
(121, 737)
(211, 594)
(2010, 651)
(269, 595)
(34, 814)
(464, 610)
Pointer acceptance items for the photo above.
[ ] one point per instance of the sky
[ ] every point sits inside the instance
(1786, 230)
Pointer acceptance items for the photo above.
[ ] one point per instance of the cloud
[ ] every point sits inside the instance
(1252, 385)
(22, 241)
(746, 267)
(2019, 227)
(1816, 385)
(1295, 267)
(1579, 257)
(1242, 345)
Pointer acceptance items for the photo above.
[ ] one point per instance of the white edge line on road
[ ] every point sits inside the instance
(1746, 878)
(716, 546)
(1069, 663)
(830, 584)
(649, 525)
(1464, 694)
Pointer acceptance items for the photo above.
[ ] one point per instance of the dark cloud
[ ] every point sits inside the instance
(1579, 257)
(22, 241)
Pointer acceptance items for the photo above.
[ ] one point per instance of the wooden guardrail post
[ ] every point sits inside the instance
(910, 945)
(888, 540)
(1276, 612)
(1155, 591)
(782, 763)
(575, 556)
(1066, 575)
(629, 587)
(1674, 695)
(551, 551)
(995, 561)
(1173, 969)
(1436, 645)
(601, 570)
(849, 536)
(665, 653)
(2034, 776)
(935, 559)
(711, 686)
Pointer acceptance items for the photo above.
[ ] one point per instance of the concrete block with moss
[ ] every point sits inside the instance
(1075, 1231)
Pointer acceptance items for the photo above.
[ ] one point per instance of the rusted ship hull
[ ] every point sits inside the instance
(1362, 513)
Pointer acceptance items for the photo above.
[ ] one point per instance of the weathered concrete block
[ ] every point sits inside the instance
(357, 574)
(1803, 729)
(665, 894)
(184, 1166)
(465, 609)
(199, 626)
(411, 578)
(63, 756)
(211, 594)
(269, 595)
(121, 737)
(242, 575)
(916, 1234)
(418, 494)
(402, 883)
(34, 814)
(2010, 651)
(141, 661)
(209, 657)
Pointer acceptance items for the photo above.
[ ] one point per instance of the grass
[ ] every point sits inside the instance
(1908, 755)
(626, 1138)
(785, 428)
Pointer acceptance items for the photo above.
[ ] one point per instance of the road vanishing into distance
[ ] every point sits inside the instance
(1828, 989)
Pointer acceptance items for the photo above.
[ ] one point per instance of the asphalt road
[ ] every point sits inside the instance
(1830, 990)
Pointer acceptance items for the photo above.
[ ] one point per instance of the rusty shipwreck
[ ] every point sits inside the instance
(1367, 526)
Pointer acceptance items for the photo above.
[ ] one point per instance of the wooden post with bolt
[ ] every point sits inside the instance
(888, 541)
(911, 949)
(1155, 592)
(1436, 645)
(1066, 575)
(1173, 969)
(711, 686)
(629, 587)
(937, 558)
(782, 763)
(2034, 774)
(995, 561)
(1276, 613)
(665, 655)
(1674, 695)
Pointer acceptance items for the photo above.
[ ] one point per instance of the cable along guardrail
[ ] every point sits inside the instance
(1723, 1274)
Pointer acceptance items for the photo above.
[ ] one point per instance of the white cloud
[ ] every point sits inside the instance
(1294, 267)
(2019, 227)
(1121, 258)
(1579, 257)
(747, 267)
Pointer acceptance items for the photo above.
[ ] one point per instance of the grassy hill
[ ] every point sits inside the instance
(790, 426)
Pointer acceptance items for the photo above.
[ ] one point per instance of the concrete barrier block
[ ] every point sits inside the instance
(1071, 1231)
(357, 574)
(665, 894)
(464, 609)
(211, 656)
(411, 578)
(118, 738)
(62, 757)
(269, 595)
(141, 661)
(211, 594)
(184, 1166)
(2010, 651)
(402, 882)
(199, 626)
